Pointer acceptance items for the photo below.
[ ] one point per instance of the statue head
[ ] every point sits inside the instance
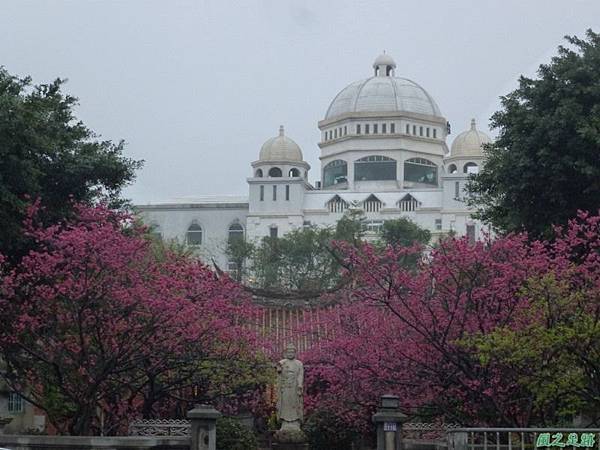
(290, 352)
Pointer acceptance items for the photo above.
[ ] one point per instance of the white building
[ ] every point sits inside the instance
(383, 150)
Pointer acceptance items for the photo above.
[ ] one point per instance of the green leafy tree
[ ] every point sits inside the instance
(404, 232)
(545, 163)
(232, 435)
(47, 152)
(301, 260)
(239, 251)
(555, 356)
(351, 227)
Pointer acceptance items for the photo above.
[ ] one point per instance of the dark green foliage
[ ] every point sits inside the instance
(239, 251)
(306, 260)
(326, 432)
(300, 260)
(231, 435)
(351, 227)
(46, 152)
(404, 233)
(545, 164)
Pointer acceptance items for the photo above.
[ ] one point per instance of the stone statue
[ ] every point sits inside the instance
(290, 401)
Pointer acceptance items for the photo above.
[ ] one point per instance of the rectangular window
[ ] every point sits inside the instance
(306, 224)
(375, 128)
(345, 130)
(427, 132)
(392, 128)
(367, 126)
(287, 191)
(420, 131)
(373, 226)
(471, 234)
(415, 130)
(420, 173)
(435, 133)
(274, 192)
(273, 232)
(335, 133)
(407, 129)
(438, 224)
(457, 190)
(358, 128)
(384, 128)
(262, 193)
(374, 168)
(15, 403)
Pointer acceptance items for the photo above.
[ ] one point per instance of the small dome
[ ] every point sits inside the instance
(280, 148)
(470, 142)
(384, 60)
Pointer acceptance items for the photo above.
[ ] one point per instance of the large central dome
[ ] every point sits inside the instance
(383, 93)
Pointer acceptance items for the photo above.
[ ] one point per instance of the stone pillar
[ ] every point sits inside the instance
(457, 440)
(388, 420)
(203, 432)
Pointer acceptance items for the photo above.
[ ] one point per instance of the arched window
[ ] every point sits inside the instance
(275, 172)
(471, 167)
(372, 204)
(156, 231)
(337, 204)
(419, 170)
(258, 173)
(194, 234)
(236, 233)
(335, 172)
(452, 168)
(294, 173)
(374, 167)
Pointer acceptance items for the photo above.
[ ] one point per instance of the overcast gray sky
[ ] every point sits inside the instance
(195, 87)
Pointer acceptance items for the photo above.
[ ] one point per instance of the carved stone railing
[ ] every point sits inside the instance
(427, 431)
(160, 427)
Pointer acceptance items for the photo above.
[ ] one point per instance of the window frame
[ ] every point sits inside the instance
(233, 232)
(15, 403)
(197, 230)
(359, 168)
(422, 162)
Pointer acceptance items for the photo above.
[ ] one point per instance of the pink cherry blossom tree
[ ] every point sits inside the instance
(413, 331)
(97, 329)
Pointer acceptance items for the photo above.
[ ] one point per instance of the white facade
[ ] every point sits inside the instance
(383, 150)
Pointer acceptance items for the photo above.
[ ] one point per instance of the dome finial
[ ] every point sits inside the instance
(473, 127)
(384, 65)
(281, 130)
